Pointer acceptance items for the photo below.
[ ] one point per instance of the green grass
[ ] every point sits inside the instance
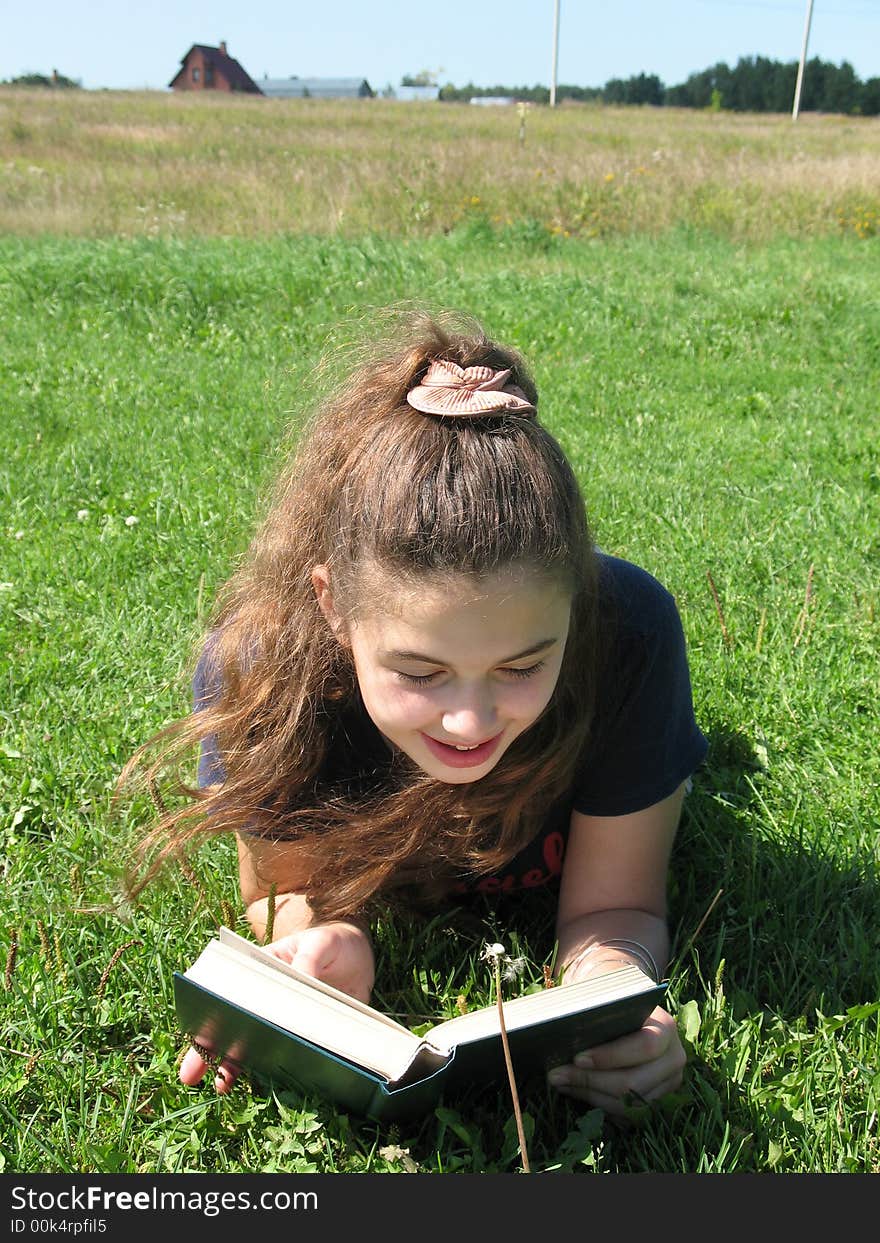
(719, 403)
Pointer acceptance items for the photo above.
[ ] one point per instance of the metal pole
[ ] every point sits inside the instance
(800, 75)
(555, 54)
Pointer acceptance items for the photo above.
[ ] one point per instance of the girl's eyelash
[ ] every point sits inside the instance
(426, 678)
(527, 673)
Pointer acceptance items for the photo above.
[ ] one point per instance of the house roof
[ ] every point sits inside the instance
(317, 88)
(237, 77)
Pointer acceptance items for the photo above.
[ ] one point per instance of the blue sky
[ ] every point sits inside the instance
(111, 43)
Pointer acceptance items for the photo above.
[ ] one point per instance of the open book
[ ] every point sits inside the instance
(241, 1002)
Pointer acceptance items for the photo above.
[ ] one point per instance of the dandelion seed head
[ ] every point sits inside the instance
(496, 950)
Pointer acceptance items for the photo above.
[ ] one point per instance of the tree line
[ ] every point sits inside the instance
(754, 84)
(57, 80)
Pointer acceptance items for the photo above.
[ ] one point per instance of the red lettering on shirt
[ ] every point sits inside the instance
(553, 853)
(496, 884)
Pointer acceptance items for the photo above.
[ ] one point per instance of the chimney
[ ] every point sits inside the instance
(223, 51)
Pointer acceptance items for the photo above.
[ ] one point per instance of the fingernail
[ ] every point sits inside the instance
(584, 1060)
(558, 1078)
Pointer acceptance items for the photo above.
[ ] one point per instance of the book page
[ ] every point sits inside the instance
(251, 950)
(536, 1008)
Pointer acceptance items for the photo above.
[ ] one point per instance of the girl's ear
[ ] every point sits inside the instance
(324, 596)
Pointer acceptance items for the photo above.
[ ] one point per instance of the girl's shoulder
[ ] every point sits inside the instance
(632, 598)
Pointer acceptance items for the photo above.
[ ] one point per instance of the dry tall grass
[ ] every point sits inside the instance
(135, 163)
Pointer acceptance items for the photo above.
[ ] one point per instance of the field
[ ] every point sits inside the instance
(714, 380)
(153, 164)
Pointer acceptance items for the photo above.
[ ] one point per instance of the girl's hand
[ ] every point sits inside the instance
(645, 1065)
(338, 953)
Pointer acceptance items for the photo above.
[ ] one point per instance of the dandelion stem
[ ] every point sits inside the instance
(509, 1064)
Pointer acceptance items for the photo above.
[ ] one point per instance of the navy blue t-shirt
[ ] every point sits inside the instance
(643, 744)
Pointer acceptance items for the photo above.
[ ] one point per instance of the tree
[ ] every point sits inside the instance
(425, 77)
(870, 102)
(642, 89)
(57, 80)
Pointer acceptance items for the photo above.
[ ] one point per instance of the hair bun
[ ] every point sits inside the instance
(467, 392)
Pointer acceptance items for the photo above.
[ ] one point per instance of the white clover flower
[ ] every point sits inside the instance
(393, 1152)
(131, 521)
(81, 515)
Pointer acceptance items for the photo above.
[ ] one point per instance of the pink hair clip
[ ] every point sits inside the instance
(467, 392)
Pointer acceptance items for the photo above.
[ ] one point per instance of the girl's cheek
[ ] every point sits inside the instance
(405, 702)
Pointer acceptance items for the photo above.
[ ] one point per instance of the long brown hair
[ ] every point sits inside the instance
(372, 482)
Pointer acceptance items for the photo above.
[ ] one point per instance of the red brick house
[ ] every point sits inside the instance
(212, 69)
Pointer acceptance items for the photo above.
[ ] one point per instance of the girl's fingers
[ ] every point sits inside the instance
(619, 1106)
(285, 948)
(655, 1040)
(193, 1069)
(225, 1077)
(599, 1087)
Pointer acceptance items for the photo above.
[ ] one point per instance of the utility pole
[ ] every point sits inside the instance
(555, 53)
(800, 74)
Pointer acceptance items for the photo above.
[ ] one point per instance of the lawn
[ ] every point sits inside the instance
(718, 399)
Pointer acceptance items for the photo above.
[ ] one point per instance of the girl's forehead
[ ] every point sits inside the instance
(432, 599)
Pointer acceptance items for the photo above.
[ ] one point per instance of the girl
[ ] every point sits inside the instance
(425, 681)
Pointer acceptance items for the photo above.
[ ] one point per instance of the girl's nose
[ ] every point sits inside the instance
(471, 719)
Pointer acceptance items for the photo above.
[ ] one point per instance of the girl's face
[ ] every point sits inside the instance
(452, 675)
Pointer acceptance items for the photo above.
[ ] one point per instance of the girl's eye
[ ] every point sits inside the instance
(415, 679)
(527, 673)
(427, 678)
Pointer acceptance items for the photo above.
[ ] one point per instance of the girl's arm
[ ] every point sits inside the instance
(339, 952)
(613, 889)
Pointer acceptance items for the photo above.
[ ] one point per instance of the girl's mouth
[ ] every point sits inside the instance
(470, 758)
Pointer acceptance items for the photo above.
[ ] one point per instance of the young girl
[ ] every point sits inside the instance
(425, 681)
